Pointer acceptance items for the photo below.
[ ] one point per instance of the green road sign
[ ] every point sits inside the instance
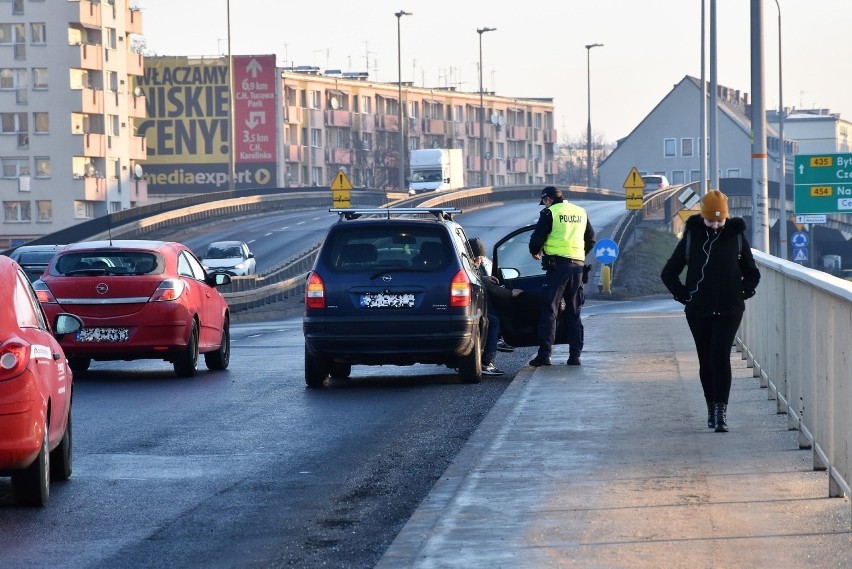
(822, 183)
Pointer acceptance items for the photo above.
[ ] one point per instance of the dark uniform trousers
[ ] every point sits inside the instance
(564, 280)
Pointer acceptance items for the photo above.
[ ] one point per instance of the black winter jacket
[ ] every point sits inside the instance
(719, 276)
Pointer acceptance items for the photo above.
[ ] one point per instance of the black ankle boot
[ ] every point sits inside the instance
(720, 412)
(711, 416)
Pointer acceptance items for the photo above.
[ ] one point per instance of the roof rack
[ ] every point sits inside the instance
(355, 213)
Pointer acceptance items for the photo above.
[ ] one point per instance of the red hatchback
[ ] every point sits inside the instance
(35, 390)
(138, 300)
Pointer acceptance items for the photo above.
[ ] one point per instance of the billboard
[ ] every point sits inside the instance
(187, 129)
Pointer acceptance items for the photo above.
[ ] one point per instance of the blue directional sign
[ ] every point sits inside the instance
(799, 239)
(606, 251)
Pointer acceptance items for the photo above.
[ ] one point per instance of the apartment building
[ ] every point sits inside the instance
(68, 147)
(335, 121)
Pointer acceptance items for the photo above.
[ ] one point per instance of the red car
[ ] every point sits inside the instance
(138, 300)
(35, 390)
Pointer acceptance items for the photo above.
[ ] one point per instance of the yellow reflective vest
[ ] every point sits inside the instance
(566, 235)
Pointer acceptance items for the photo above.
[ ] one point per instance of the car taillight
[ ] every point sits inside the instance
(315, 292)
(43, 293)
(14, 358)
(170, 289)
(460, 289)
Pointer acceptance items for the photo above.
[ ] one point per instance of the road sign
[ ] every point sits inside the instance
(799, 239)
(341, 182)
(634, 203)
(800, 255)
(606, 251)
(822, 183)
(811, 218)
(634, 180)
(340, 191)
(688, 198)
(633, 194)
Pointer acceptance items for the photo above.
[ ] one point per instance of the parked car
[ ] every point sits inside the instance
(231, 257)
(36, 385)
(34, 258)
(393, 290)
(655, 182)
(139, 300)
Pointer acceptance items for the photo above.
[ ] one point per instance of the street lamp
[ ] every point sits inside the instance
(589, 100)
(481, 31)
(232, 166)
(782, 191)
(399, 16)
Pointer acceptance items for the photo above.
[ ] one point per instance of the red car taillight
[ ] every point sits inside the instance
(460, 289)
(14, 358)
(315, 292)
(43, 293)
(170, 289)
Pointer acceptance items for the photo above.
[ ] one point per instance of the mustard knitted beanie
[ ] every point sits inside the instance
(714, 206)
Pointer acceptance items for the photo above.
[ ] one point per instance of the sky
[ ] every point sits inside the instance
(537, 50)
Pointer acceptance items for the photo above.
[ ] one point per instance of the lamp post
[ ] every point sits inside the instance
(399, 16)
(589, 100)
(481, 31)
(232, 166)
(782, 187)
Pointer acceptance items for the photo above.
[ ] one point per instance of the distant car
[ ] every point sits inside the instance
(231, 257)
(35, 390)
(35, 258)
(655, 182)
(138, 300)
(398, 289)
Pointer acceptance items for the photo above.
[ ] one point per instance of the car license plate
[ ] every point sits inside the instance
(387, 300)
(103, 335)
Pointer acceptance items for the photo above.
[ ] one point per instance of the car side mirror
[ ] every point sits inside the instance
(509, 273)
(219, 279)
(65, 323)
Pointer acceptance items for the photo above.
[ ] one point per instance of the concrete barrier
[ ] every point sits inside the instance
(796, 336)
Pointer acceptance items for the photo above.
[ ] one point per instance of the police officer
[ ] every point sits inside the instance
(562, 238)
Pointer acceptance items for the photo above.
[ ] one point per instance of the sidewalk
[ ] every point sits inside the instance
(611, 465)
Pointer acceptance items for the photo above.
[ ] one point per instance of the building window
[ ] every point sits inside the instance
(316, 176)
(38, 33)
(316, 100)
(414, 109)
(83, 209)
(11, 34)
(13, 123)
(42, 167)
(366, 105)
(685, 147)
(11, 77)
(16, 211)
(44, 209)
(694, 175)
(414, 143)
(734, 173)
(15, 167)
(678, 177)
(669, 147)
(316, 138)
(41, 122)
(39, 77)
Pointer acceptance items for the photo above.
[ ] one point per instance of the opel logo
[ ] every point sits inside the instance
(102, 288)
(386, 278)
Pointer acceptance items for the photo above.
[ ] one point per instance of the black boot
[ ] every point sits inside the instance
(720, 412)
(711, 416)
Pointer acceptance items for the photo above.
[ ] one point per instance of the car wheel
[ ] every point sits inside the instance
(339, 371)
(470, 366)
(79, 364)
(60, 457)
(220, 359)
(31, 486)
(316, 370)
(186, 363)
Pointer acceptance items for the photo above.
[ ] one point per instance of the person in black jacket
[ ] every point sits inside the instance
(720, 275)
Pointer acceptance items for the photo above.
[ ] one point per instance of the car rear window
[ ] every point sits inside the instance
(36, 257)
(369, 249)
(107, 262)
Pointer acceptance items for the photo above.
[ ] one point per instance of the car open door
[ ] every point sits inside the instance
(516, 268)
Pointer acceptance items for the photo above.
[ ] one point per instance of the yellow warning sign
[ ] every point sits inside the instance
(635, 203)
(686, 213)
(634, 180)
(341, 199)
(341, 182)
(633, 194)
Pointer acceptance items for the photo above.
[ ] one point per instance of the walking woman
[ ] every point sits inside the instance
(720, 276)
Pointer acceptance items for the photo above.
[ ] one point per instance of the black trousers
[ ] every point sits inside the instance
(562, 281)
(714, 335)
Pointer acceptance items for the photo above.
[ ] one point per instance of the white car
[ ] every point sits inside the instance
(231, 257)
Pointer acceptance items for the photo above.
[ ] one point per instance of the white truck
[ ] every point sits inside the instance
(436, 169)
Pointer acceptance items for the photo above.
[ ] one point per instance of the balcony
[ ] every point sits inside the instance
(550, 135)
(94, 189)
(471, 129)
(138, 148)
(516, 133)
(139, 190)
(338, 118)
(516, 165)
(90, 14)
(91, 57)
(134, 64)
(93, 101)
(136, 107)
(293, 153)
(133, 21)
(389, 123)
(93, 145)
(434, 126)
(339, 155)
(293, 114)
